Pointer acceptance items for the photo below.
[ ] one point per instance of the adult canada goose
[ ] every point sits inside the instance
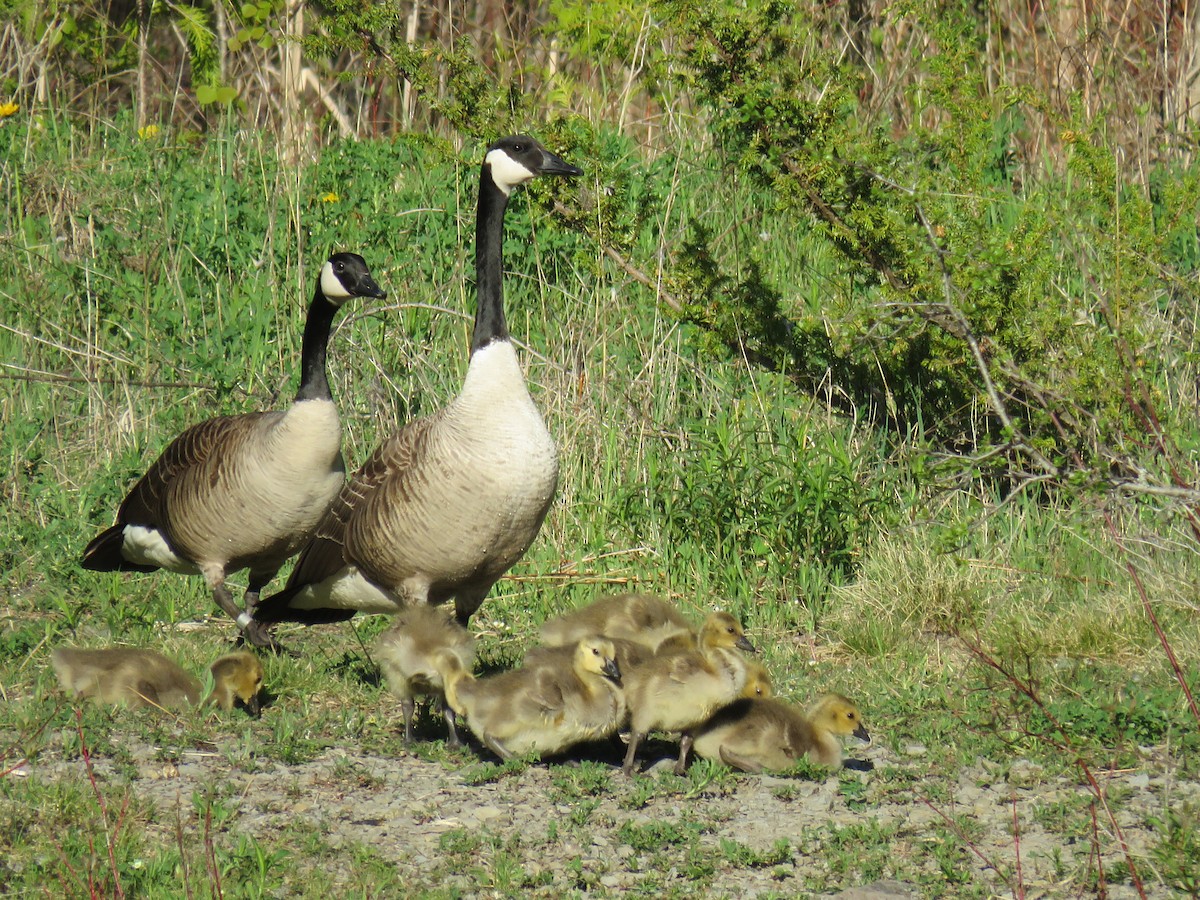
(643, 618)
(243, 491)
(545, 708)
(679, 691)
(407, 652)
(757, 735)
(237, 678)
(449, 503)
(128, 675)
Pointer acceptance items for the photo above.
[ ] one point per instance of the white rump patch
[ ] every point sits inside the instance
(147, 547)
(348, 589)
(331, 285)
(507, 173)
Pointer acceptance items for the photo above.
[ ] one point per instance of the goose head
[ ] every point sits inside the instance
(514, 160)
(598, 656)
(723, 631)
(838, 715)
(346, 275)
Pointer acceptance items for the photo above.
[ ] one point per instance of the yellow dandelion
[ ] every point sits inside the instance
(8, 109)
(147, 132)
(330, 197)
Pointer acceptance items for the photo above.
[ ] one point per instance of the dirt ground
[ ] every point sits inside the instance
(444, 832)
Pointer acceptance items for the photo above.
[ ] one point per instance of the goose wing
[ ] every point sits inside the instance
(351, 532)
(146, 502)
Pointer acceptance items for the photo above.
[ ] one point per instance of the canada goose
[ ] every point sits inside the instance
(243, 491)
(544, 708)
(237, 678)
(755, 735)
(407, 653)
(449, 503)
(644, 618)
(123, 675)
(681, 690)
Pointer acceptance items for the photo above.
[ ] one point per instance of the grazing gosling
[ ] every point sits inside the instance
(679, 691)
(407, 652)
(759, 735)
(126, 675)
(237, 678)
(642, 618)
(544, 709)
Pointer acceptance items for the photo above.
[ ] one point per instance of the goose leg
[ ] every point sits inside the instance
(736, 761)
(685, 746)
(452, 740)
(258, 580)
(408, 707)
(253, 631)
(631, 753)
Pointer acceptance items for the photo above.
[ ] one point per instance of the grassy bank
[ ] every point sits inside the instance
(149, 282)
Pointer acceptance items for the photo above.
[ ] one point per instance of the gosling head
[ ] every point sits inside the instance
(238, 677)
(721, 630)
(517, 159)
(838, 715)
(758, 681)
(598, 656)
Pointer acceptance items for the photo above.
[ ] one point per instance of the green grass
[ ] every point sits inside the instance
(147, 284)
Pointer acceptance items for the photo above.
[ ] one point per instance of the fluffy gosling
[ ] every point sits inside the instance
(126, 675)
(757, 735)
(407, 652)
(642, 618)
(545, 708)
(237, 678)
(679, 691)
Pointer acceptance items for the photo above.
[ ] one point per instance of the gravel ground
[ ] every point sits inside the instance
(596, 832)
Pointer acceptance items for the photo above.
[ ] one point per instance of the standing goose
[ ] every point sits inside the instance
(243, 491)
(449, 503)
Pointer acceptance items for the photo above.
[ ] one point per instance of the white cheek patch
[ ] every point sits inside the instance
(507, 173)
(331, 285)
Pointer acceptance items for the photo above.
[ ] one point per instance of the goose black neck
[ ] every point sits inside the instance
(490, 324)
(314, 385)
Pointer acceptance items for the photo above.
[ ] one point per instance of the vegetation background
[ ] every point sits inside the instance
(874, 324)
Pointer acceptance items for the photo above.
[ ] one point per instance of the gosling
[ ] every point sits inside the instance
(407, 652)
(642, 618)
(544, 709)
(679, 691)
(237, 679)
(757, 735)
(137, 677)
(127, 675)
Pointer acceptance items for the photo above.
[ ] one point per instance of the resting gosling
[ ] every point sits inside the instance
(758, 735)
(642, 618)
(679, 691)
(126, 675)
(450, 502)
(758, 681)
(243, 491)
(629, 654)
(138, 677)
(407, 652)
(545, 708)
(237, 678)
